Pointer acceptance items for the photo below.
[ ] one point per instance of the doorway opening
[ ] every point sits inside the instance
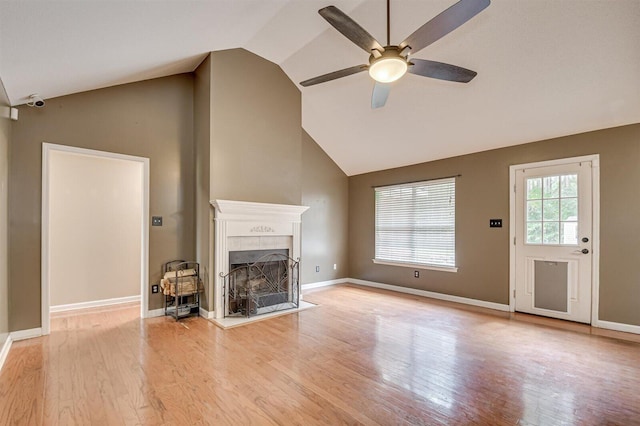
(95, 235)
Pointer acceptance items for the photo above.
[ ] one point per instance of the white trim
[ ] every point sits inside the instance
(432, 295)
(512, 240)
(4, 352)
(416, 265)
(617, 326)
(556, 162)
(45, 300)
(595, 225)
(155, 313)
(206, 314)
(94, 304)
(595, 241)
(26, 334)
(319, 284)
(45, 259)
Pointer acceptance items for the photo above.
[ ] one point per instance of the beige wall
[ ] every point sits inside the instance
(152, 119)
(255, 130)
(5, 134)
(95, 224)
(482, 192)
(325, 189)
(202, 143)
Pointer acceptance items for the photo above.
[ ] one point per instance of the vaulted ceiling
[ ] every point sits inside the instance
(546, 68)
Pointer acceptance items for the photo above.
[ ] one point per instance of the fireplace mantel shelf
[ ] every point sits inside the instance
(245, 210)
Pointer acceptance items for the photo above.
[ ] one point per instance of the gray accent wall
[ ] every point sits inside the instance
(325, 189)
(482, 193)
(152, 119)
(202, 143)
(5, 135)
(255, 130)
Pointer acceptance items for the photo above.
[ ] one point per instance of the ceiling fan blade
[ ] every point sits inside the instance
(380, 94)
(443, 24)
(334, 75)
(350, 29)
(441, 71)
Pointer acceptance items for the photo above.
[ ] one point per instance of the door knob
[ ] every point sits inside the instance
(584, 251)
(585, 240)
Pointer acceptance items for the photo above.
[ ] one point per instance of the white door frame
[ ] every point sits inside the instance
(595, 236)
(47, 148)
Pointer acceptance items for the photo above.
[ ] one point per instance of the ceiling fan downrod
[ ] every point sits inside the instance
(388, 22)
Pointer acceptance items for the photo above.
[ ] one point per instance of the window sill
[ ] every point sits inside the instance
(416, 265)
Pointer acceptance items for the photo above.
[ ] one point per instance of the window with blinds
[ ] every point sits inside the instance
(416, 223)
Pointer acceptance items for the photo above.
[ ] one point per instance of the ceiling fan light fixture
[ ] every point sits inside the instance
(388, 69)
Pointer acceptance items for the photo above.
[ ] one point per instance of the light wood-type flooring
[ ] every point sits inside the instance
(362, 356)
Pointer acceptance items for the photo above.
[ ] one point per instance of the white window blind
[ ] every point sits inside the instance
(415, 223)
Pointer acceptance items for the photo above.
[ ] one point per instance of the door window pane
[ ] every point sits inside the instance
(534, 189)
(569, 209)
(551, 233)
(569, 186)
(534, 210)
(551, 185)
(550, 210)
(569, 233)
(534, 232)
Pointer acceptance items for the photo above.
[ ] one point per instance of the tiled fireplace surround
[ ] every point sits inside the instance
(241, 225)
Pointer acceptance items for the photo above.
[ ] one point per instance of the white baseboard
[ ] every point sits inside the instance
(432, 295)
(617, 326)
(5, 350)
(25, 334)
(206, 314)
(94, 304)
(318, 284)
(155, 313)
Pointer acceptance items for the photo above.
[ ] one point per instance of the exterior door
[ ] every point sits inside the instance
(553, 241)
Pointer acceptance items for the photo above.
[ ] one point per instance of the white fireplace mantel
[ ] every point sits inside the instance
(234, 219)
(248, 211)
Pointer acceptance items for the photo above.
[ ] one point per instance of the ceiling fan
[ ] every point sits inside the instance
(387, 64)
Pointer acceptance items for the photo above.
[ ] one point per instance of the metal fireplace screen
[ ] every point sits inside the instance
(265, 285)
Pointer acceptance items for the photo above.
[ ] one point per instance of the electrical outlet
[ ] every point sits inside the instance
(317, 269)
(495, 223)
(335, 266)
(154, 288)
(416, 274)
(156, 220)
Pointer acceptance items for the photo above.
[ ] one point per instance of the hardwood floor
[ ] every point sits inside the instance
(362, 356)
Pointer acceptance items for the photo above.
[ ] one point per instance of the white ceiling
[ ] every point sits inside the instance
(546, 68)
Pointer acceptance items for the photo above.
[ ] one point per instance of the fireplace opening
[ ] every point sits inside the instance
(260, 281)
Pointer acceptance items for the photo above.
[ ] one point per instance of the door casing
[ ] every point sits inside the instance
(595, 237)
(45, 249)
